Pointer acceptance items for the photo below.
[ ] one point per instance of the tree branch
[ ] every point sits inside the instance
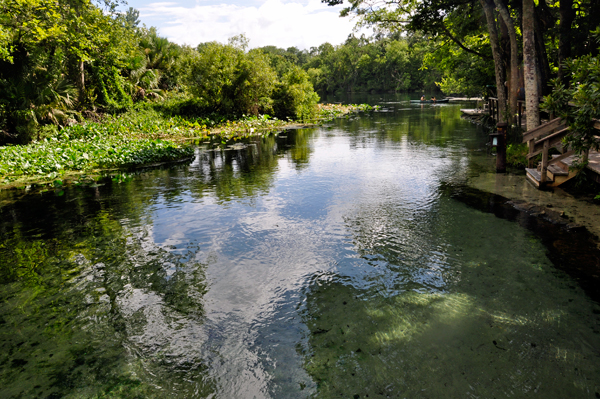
(462, 46)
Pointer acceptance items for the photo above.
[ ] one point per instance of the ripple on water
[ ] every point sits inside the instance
(340, 266)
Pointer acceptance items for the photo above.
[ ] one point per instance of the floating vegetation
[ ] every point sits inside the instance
(136, 138)
(52, 158)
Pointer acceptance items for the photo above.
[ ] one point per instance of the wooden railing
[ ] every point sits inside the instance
(546, 136)
(541, 139)
(495, 110)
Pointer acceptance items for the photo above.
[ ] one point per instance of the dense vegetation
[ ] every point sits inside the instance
(387, 63)
(68, 65)
(527, 43)
(61, 62)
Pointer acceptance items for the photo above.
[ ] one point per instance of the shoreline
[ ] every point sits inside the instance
(555, 203)
(223, 134)
(572, 247)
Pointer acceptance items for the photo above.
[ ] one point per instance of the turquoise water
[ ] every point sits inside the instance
(329, 262)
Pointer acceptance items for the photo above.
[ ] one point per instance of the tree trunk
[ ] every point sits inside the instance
(529, 66)
(81, 82)
(564, 39)
(488, 8)
(593, 18)
(542, 55)
(513, 86)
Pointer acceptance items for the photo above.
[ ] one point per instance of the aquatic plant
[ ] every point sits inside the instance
(52, 157)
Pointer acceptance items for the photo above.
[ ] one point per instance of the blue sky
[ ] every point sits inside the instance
(282, 23)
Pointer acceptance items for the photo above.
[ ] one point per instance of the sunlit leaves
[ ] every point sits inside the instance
(230, 81)
(98, 151)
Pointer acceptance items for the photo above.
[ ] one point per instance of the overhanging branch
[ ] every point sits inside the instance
(462, 46)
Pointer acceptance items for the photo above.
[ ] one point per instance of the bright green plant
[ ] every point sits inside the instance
(230, 81)
(294, 97)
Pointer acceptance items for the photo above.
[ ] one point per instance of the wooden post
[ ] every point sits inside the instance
(543, 172)
(531, 145)
(497, 110)
(501, 148)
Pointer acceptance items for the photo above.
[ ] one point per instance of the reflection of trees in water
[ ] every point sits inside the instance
(299, 146)
(240, 173)
(89, 308)
(432, 125)
(102, 310)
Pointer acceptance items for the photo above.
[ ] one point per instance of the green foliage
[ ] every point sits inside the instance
(579, 102)
(229, 81)
(390, 63)
(50, 51)
(53, 157)
(111, 88)
(294, 97)
(37, 99)
(516, 155)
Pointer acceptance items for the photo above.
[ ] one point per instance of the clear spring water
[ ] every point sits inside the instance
(327, 262)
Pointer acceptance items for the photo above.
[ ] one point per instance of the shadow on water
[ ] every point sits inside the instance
(571, 248)
(348, 261)
(460, 304)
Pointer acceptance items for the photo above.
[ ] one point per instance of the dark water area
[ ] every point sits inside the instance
(351, 260)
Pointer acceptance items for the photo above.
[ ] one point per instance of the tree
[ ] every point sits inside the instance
(229, 81)
(294, 96)
(578, 100)
(514, 85)
(529, 66)
(500, 73)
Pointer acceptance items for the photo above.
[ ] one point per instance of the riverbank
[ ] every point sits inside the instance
(137, 138)
(577, 210)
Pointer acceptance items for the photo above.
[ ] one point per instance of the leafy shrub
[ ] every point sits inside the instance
(294, 97)
(516, 155)
(230, 81)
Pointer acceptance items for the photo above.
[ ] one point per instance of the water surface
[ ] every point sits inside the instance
(328, 262)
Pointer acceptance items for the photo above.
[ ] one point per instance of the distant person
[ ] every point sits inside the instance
(433, 99)
(423, 97)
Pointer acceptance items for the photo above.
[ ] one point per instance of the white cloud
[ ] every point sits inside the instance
(272, 23)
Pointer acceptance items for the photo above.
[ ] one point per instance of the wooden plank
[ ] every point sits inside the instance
(553, 140)
(531, 146)
(555, 170)
(542, 129)
(533, 154)
(561, 157)
(533, 175)
(561, 133)
(539, 147)
(597, 124)
(544, 171)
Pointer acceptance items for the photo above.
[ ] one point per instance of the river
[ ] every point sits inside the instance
(350, 260)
